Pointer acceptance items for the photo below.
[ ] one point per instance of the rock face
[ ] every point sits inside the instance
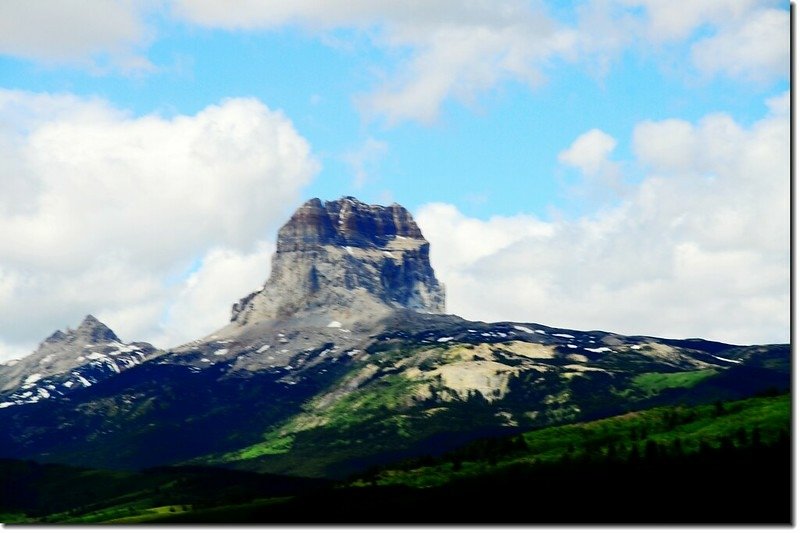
(346, 259)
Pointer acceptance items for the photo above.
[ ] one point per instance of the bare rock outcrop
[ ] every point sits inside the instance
(346, 259)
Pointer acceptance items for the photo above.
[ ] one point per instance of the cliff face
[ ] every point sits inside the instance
(349, 259)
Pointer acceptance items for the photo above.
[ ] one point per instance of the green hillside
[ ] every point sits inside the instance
(409, 399)
(725, 462)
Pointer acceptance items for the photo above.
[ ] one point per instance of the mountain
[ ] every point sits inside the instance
(69, 361)
(346, 260)
(345, 359)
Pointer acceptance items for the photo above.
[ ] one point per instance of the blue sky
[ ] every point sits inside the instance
(465, 112)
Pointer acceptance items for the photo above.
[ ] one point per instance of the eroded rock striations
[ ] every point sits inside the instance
(346, 259)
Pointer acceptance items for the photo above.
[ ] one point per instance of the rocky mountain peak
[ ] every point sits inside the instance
(346, 258)
(93, 330)
(345, 222)
(89, 331)
(69, 360)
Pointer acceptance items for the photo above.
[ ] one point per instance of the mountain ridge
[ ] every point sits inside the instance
(346, 359)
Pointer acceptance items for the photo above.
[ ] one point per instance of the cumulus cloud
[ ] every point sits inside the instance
(757, 49)
(601, 177)
(95, 33)
(589, 152)
(103, 211)
(699, 248)
(745, 40)
(204, 301)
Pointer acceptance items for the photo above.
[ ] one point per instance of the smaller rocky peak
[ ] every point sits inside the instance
(89, 331)
(93, 330)
(57, 336)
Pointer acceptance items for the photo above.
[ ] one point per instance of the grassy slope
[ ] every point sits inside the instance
(709, 424)
(69, 495)
(567, 476)
(384, 419)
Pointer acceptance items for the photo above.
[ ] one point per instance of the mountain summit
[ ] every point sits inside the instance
(67, 361)
(346, 258)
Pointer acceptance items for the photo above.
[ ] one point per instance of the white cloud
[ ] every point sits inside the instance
(602, 178)
(757, 49)
(457, 49)
(101, 209)
(699, 248)
(744, 40)
(436, 51)
(95, 32)
(205, 299)
(589, 152)
(672, 21)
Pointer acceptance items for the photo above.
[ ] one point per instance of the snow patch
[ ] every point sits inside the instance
(571, 346)
(263, 349)
(523, 329)
(726, 360)
(205, 360)
(565, 335)
(80, 359)
(444, 339)
(43, 393)
(68, 384)
(33, 378)
(334, 324)
(603, 349)
(349, 249)
(222, 351)
(636, 347)
(82, 379)
(6, 404)
(94, 356)
(540, 331)
(388, 254)
(121, 348)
